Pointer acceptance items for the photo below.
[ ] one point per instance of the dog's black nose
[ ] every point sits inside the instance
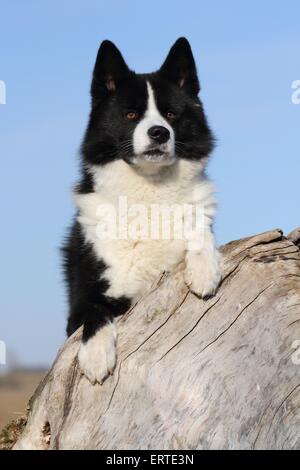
(159, 134)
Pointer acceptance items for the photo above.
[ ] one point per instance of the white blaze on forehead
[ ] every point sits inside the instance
(152, 111)
(152, 117)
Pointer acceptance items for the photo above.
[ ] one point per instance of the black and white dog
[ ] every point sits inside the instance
(147, 141)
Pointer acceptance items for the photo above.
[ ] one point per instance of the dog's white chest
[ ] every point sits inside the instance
(133, 263)
(133, 266)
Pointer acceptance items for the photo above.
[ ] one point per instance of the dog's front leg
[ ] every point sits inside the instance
(203, 260)
(97, 354)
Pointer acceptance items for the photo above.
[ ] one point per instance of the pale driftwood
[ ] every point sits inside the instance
(191, 374)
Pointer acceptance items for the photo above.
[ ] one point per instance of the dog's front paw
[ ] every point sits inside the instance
(203, 273)
(97, 357)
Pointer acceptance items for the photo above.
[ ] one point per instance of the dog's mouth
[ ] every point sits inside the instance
(154, 155)
(153, 159)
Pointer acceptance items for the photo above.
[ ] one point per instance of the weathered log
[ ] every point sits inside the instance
(221, 373)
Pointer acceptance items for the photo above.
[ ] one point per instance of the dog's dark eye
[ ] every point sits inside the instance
(170, 115)
(132, 115)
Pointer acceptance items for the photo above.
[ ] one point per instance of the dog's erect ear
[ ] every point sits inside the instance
(179, 67)
(109, 71)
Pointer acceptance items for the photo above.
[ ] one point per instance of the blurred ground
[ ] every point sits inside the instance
(16, 387)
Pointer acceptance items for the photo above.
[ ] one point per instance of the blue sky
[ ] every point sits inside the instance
(247, 55)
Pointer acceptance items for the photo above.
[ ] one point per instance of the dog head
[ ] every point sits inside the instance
(148, 120)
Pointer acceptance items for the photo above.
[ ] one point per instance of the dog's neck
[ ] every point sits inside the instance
(121, 178)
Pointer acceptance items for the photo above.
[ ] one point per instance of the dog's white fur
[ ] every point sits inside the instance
(134, 265)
